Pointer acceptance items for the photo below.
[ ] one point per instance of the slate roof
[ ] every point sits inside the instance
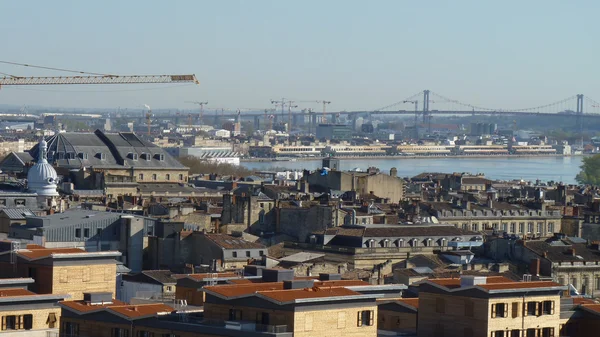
(17, 213)
(24, 157)
(563, 253)
(229, 242)
(399, 231)
(72, 217)
(88, 149)
(164, 277)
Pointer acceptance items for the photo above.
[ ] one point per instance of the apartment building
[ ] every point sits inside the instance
(303, 307)
(501, 217)
(69, 271)
(488, 306)
(25, 313)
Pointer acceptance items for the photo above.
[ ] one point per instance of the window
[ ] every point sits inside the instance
(513, 227)
(86, 232)
(169, 288)
(141, 176)
(3, 202)
(495, 226)
(547, 332)
(574, 282)
(365, 317)
(247, 253)
(521, 227)
(561, 280)
(597, 283)
(71, 328)
(167, 177)
(499, 333)
(469, 308)
(515, 333)
(548, 307)
(161, 157)
(341, 321)
(262, 318)
(51, 320)
(530, 227)
(261, 253)
(515, 309)
(9, 322)
(99, 232)
(27, 322)
(135, 156)
(530, 333)
(234, 254)
(540, 226)
(118, 332)
(154, 176)
(102, 156)
(499, 310)
(181, 177)
(143, 333)
(474, 227)
(531, 309)
(20, 202)
(550, 227)
(235, 315)
(77, 232)
(504, 227)
(440, 305)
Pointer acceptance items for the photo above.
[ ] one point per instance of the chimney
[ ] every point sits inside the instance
(534, 267)
(490, 203)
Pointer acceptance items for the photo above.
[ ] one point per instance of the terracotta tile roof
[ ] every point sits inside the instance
(519, 285)
(285, 296)
(47, 252)
(245, 281)
(201, 277)
(592, 307)
(34, 246)
(412, 302)
(230, 242)
(341, 283)
(235, 290)
(83, 307)
(12, 292)
(583, 300)
(141, 310)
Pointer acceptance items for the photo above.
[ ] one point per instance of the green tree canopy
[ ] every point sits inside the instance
(590, 171)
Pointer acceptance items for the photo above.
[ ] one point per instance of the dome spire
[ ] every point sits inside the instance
(43, 150)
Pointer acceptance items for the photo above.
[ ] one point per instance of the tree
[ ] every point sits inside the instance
(590, 171)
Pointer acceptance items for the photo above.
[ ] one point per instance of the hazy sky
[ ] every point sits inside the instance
(357, 54)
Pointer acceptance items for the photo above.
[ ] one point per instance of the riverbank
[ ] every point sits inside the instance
(529, 168)
(272, 160)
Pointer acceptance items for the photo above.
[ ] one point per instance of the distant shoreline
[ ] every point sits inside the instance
(272, 160)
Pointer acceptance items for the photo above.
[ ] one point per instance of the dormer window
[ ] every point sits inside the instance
(148, 156)
(82, 155)
(132, 155)
(102, 156)
(70, 155)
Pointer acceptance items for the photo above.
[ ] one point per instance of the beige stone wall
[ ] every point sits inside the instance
(162, 176)
(519, 322)
(453, 319)
(480, 224)
(396, 321)
(588, 276)
(40, 317)
(75, 280)
(336, 322)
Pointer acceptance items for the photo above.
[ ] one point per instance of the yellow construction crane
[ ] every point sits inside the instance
(201, 104)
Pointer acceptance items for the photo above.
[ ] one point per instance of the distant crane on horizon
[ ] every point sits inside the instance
(201, 104)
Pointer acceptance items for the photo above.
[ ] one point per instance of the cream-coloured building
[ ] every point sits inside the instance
(473, 306)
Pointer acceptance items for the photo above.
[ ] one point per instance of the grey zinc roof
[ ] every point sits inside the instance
(73, 217)
(24, 157)
(17, 213)
(88, 147)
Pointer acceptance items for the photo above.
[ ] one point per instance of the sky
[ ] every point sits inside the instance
(360, 55)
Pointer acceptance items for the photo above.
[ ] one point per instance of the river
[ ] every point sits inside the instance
(528, 168)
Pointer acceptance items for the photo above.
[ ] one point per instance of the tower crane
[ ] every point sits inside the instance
(416, 103)
(324, 102)
(91, 78)
(201, 104)
(290, 106)
(103, 79)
